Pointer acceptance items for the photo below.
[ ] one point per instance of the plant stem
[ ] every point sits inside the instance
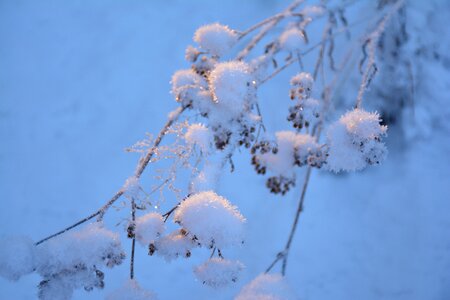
(133, 241)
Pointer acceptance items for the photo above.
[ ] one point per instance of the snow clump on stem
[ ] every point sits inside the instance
(212, 219)
(215, 38)
(218, 272)
(355, 141)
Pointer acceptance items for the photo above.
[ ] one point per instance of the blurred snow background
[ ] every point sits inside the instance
(81, 81)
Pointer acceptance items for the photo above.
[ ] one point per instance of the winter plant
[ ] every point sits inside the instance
(219, 114)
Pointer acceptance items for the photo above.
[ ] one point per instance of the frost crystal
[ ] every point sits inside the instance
(231, 84)
(215, 38)
(218, 272)
(17, 257)
(211, 219)
(149, 227)
(355, 141)
(292, 39)
(200, 135)
(267, 287)
(131, 290)
(176, 244)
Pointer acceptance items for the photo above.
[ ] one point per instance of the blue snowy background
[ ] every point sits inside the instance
(80, 81)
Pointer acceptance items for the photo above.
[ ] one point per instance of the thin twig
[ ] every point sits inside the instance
(371, 44)
(139, 170)
(297, 217)
(308, 50)
(284, 255)
(266, 28)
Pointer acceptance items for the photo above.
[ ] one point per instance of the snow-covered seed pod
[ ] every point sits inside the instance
(279, 184)
(301, 86)
(354, 141)
(221, 137)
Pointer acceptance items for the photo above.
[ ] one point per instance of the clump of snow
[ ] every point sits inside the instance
(93, 245)
(259, 66)
(355, 141)
(187, 86)
(218, 272)
(215, 38)
(131, 290)
(231, 84)
(305, 113)
(302, 84)
(293, 148)
(212, 219)
(292, 39)
(176, 244)
(313, 11)
(149, 227)
(191, 54)
(132, 187)
(17, 257)
(72, 261)
(200, 135)
(63, 284)
(267, 287)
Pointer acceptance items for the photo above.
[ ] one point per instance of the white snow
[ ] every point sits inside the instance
(93, 245)
(355, 141)
(289, 144)
(292, 39)
(72, 261)
(311, 109)
(53, 124)
(132, 187)
(131, 290)
(302, 85)
(212, 219)
(267, 287)
(313, 11)
(218, 272)
(231, 84)
(177, 243)
(215, 38)
(187, 85)
(149, 227)
(200, 135)
(17, 257)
